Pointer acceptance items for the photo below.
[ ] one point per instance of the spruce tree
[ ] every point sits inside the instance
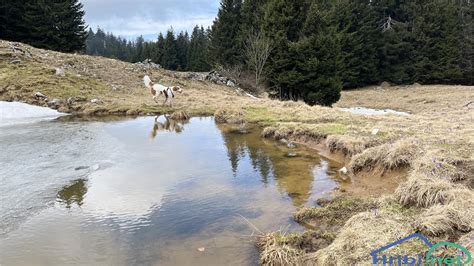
(225, 49)
(358, 36)
(182, 45)
(316, 58)
(197, 56)
(283, 24)
(170, 52)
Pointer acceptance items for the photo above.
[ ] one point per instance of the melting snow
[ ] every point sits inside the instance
(368, 111)
(12, 113)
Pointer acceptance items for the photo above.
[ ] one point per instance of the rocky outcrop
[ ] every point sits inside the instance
(148, 65)
(217, 78)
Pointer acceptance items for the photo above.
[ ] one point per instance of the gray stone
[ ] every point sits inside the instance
(55, 103)
(96, 101)
(291, 145)
(230, 83)
(40, 95)
(292, 155)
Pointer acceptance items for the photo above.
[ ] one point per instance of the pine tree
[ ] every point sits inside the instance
(55, 25)
(170, 52)
(283, 24)
(197, 56)
(316, 56)
(224, 38)
(466, 60)
(139, 46)
(70, 26)
(12, 25)
(252, 15)
(182, 45)
(358, 36)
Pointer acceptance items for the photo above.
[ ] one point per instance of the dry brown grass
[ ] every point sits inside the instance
(467, 241)
(274, 252)
(422, 191)
(348, 145)
(179, 115)
(362, 234)
(229, 116)
(390, 156)
(457, 215)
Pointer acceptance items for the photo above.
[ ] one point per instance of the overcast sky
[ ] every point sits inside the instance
(131, 18)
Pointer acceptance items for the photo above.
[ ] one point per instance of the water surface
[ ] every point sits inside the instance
(149, 192)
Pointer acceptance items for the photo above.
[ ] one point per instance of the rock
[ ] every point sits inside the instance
(55, 103)
(385, 84)
(292, 155)
(343, 170)
(60, 72)
(284, 141)
(201, 249)
(16, 61)
(375, 131)
(95, 167)
(230, 83)
(291, 145)
(416, 84)
(40, 95)
(81, 168)
(148, 64)
(96, 101)
(73, 100)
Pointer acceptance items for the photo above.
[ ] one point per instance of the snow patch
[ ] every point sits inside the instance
(369, 111)
(12, 113)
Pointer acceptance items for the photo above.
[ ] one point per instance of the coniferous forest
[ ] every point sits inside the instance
(310, 49)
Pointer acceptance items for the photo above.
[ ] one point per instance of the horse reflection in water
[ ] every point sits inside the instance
(168, 125)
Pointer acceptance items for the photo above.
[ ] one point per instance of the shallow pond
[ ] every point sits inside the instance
(149, 192)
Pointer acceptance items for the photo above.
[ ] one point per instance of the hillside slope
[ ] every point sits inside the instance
(117, 85)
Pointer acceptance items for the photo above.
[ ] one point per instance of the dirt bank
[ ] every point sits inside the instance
(422, 163)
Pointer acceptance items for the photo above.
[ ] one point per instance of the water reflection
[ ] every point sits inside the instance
(161, 200)
(73, 194)
(164, 123)
(294, 176)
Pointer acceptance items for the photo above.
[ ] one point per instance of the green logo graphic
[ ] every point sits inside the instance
(456, 260)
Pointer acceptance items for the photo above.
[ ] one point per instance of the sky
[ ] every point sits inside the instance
(132, 18)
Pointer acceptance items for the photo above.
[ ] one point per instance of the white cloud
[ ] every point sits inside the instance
(131, 18)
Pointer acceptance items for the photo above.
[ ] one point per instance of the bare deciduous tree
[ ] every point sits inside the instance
(257, 52)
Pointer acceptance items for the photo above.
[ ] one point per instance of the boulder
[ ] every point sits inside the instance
(375, 131)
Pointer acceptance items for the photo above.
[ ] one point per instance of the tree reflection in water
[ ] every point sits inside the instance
(73, 194)
(293, 176)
